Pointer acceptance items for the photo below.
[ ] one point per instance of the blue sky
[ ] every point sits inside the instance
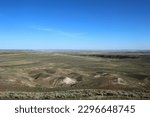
(75, 24)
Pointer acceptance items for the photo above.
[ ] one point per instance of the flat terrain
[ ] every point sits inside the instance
(74, 75)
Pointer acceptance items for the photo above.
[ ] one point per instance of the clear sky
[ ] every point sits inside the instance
(75, 24)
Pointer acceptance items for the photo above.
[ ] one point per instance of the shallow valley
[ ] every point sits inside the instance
(74, 75)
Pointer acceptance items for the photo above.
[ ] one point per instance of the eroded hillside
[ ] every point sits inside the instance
(23, 75)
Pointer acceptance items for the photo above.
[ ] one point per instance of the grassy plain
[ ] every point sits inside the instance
(74, 75)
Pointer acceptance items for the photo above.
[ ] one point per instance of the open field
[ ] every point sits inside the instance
(74, 75)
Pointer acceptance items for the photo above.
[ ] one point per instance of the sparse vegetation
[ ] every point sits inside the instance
(39, 75)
